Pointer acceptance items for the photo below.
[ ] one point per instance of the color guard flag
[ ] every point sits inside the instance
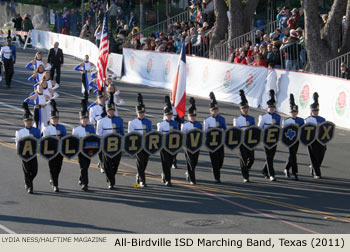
(103, 53)
(179, 88)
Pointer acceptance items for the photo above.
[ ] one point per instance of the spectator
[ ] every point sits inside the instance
(74, 20)
(255, 50)
(27, 26)
(231, 54)
(120, 14)
(17, 22)
(263, 51)
(132, 20)
(98, 34)
(124, 31)
(99, 16)
(112, 12)
(241, 57)
(247, 46)
(283, 17)
(87, 31)
(301, 20)
(250, 61)
(291, 51)
(259, 61)
(302, 56)
(293, 19)
(274, 57)
(58, 22)
(178, 44)
(345, 71)
(66, 21)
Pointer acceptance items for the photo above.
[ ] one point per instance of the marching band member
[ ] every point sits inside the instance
(38, 74)
(191, 159)
(86, 68)
(110, 124)
(30, 168)
(164, 127)
(316, 150)
(55, 129)
(215, 121)
(141, 125)
(81, 131)
(50, 83)
(39, 100)
(293, 119)
(270, 118)
(116, 98)
(36, 62)
(243, 121)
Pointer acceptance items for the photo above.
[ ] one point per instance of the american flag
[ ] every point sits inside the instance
(103, 53)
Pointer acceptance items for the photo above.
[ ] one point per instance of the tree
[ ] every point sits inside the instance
(221, 23)
(241, 16)
(323, 40)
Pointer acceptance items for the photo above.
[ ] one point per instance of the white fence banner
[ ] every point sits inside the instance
(334, 95)
(74, 46)
(203, 75)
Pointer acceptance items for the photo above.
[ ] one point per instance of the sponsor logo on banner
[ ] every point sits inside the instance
(251, 137)
(233, 137)
(290, 134)
(153, 142)
(133, 143)
(112, 145)
(167, 67)
(325, 132)
(227, 78)
(304, 96)
(132, 62)
(90, 145)
(249, 81)
(70, 146)
(271, 136)
(149, 65)
(205, 73)
(49, 147)
(213, 139)
(27, 148)
(340, 104)
(307, 133)
(173, 141)
(194, 140)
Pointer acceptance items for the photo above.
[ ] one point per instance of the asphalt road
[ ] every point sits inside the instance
(284, 206)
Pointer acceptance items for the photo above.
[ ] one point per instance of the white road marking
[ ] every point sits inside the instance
(7, 230)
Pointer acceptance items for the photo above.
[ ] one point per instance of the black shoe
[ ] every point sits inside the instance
(168, 183)
(137, 179)
(217, 181)
(187, 177)
(8, 86)
(174, 166)
(246, 180)
(296, 177)
(286, 173)
(111, 187)
(80, 183)
(84, 188)
(30, 190)
(56, 189)
(163, 179)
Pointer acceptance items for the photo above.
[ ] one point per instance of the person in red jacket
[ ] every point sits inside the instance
(241, 57)
(258, 61)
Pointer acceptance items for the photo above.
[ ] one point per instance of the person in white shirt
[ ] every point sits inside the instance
(30, 168)
(81, 131)
(8, 57)
(141, 125)
(191, 159)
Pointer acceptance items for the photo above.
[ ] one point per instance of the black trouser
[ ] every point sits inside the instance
(191, 160)
(30, 169)
(268, 167)
(110, 165)
(167, 161)
(292, 159)
(8, 65)
(141, 163)
(55, 166)
(317, 152)
(217, 160)
(246, 160)
(84, 164)
(58, 72)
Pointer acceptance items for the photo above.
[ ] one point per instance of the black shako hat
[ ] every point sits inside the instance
(168, 109)
(140, 107)
(54, 111)
(315, 105)
(110, 105)
(244, 101)
(272, 101)
(192, 111)
(293, 106)
(83, 110)
(27, 114)
(213, 103)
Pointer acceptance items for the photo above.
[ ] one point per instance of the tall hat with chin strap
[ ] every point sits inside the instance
(140, 107)
(244, 102)
(110, 104)
(192, 111)
(272, 101)
(315, 105)
(27, 114)
(54, 111)
(168, 109)
(293, 106)
(213, 103)
(83, 111)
